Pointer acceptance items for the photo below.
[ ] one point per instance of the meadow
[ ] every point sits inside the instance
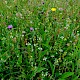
(39, 39)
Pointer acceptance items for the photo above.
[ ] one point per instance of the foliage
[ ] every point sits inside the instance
(39, 39)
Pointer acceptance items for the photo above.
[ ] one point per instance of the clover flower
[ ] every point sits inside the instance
(31, 28)
(10, 26)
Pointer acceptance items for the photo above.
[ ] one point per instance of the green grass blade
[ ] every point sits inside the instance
(52, 67)
(37, 70)
(66, 75)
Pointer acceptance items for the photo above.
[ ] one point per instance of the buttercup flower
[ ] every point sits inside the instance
(10, 26)
(53, 9)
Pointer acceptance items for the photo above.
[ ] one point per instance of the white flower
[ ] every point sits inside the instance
(52, 56)
(19, 14)
(23, 32)
(35, 44)
(62, 37)
(45, 58)
(61, 9)
(40, 38)
(40, 48)
(28, 44)
(61, 50)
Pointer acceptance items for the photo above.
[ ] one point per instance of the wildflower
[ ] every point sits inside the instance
(10, 26)
(52, 56)
(68, 44)
(11, 36)
(19, 15)
(53, 9)
(5, 2)
(62, 37)
(40, 48)
(61, 50)
(28, 43)
(61, 9)
(31, 29)
(40, 38)
(23, 33)
(35, 44)
(45, 58)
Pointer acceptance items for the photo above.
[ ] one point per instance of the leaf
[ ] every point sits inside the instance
(42, 54)
(61, 79)
(40, 69)
(66, 74)
(37, 70)
(19, 60)
(52, 67)
(75, 78)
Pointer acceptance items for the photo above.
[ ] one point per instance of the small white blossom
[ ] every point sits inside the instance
(52, 56)
(23, 32)
(61, 9)
(40, 48)
(46, 73)
(5, 2)
(66, 27)
(22, 35)
(40, 38)
(28, 44)
(11, 36)
(62, 37)
(45, 58)
(35, 44)
(46, 31)
(31, 22)
(61, 50)
(70, 41)
(19, 14)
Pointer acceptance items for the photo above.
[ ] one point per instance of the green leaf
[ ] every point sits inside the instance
(75, 78)
(66, 74)
(37, 70)
(19, 60)
(52, 67)
(42, 54)
(61, 79)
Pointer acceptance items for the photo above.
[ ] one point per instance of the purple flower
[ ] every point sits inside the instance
(10, 26)
(31, 28)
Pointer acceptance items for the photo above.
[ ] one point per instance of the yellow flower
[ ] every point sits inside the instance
(53, 9)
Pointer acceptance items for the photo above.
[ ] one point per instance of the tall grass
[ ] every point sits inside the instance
(43, 44)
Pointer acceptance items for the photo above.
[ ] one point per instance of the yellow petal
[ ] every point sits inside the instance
(53, 9)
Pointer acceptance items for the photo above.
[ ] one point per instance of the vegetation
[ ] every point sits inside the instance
(40, 39)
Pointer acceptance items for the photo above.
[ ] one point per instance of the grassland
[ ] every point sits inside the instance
(42, 44)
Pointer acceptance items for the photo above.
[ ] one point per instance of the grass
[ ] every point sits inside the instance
(50, 51)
